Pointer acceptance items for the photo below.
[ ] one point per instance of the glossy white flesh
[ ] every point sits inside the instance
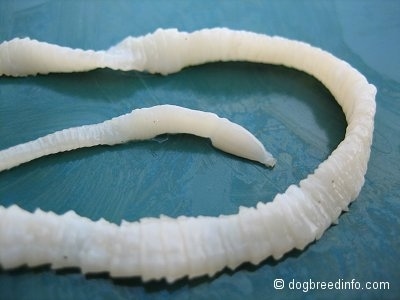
(195, 246)
(142, 124)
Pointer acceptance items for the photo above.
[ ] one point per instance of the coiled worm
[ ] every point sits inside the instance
(156, 248)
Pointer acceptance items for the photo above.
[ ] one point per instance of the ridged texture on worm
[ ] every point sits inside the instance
(154, 248)
(141, 124)
(21, 57)
(174, 248)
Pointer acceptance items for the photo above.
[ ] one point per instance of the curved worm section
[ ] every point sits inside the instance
(195, 246)
(22, 57)
(142, 124)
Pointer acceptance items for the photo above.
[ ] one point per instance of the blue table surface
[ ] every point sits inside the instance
(290, 112)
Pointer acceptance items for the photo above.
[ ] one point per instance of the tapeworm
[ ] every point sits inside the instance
(156, 248)
(142, 124)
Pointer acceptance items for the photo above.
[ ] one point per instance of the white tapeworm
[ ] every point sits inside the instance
(141, 124)
(194, 246)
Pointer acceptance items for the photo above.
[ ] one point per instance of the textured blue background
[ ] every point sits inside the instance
(292, 113)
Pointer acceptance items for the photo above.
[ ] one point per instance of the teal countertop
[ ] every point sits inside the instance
(290, 112)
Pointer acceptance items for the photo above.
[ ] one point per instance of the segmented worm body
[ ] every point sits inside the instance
(156, 248)
(142, 124)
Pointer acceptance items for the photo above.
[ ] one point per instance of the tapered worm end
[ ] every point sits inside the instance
(236, 140)
(195, 246)
(269, 161)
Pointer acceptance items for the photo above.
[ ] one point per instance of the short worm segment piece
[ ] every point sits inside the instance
(194, 246)
(142, 124)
